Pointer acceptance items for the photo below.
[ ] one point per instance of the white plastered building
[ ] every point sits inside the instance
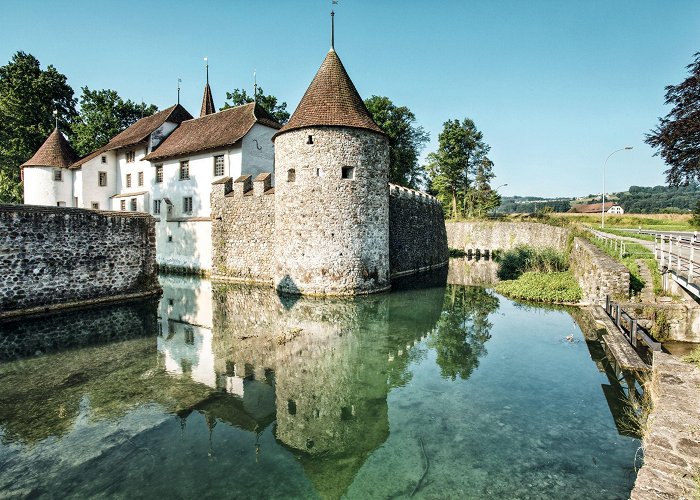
(164, 165)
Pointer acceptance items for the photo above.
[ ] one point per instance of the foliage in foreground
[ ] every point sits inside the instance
(559, 287)
(524, 258)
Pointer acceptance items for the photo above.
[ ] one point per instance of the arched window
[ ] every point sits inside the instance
(291, 175)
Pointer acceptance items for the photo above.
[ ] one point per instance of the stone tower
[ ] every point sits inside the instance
(331, 192)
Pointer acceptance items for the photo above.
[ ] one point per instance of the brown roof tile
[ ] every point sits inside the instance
(55, 152)
(217, 130)
(139, 131)
(593, 207)
(332, 100)
(207, 102)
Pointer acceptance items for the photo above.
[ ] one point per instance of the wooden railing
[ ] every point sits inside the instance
(629, 326)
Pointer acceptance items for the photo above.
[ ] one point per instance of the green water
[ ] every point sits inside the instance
(234, 392)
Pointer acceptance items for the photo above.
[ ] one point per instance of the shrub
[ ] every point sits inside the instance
(524, 258)
(558, 287)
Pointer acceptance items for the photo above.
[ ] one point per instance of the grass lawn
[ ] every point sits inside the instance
(651, 222)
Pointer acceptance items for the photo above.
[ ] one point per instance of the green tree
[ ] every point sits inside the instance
(103, 114)
(406, 140)
(480, 198)
(461, 151)
(28, 98)
(268, 102)
(677, 137)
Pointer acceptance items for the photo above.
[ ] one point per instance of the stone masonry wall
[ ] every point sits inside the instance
(597, 273)
(417, 236)
(332, 233)
(243, 229)
(51, 256)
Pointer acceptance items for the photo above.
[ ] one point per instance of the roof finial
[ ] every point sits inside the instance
(333, 2)
(179, 81)
(206, 60)
(55, 116)
(255, 86)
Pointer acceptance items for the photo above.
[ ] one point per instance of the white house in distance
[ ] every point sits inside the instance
(596, 208)
(163, 164)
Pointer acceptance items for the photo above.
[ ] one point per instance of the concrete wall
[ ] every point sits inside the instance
(332, 233)
(243, 229)
(417, 236)
(53, 257)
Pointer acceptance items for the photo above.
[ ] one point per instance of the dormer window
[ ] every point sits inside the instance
(291, 175)
(130, 156)
(57, 174)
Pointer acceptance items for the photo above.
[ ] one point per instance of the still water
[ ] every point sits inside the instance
(222, 391)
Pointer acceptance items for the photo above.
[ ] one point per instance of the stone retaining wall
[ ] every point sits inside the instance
(417, 235)
(502, 235)
(243, 229)
(53, 257)
(597, 273)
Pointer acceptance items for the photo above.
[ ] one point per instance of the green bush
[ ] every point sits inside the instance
(558, 287)
(524, 258)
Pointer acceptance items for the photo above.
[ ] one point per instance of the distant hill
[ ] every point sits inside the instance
(637, 199)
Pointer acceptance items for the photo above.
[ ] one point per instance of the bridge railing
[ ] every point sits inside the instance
(629, 326)
(613, 242)
(681, 256)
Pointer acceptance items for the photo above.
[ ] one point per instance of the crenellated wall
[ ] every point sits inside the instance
(53, 257)
(417, 235)
(243, 228)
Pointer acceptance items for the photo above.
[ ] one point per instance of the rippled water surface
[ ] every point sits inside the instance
(220, 391)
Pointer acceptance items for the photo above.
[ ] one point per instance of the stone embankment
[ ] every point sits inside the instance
(53, 258)
(672, 439)
(597, 273)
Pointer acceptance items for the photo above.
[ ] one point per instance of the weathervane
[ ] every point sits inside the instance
(206, 60)
(333, 2)
(55, 116)
(255, 86)
(179, 81)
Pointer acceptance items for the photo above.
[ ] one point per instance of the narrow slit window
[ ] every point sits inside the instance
(291, 175)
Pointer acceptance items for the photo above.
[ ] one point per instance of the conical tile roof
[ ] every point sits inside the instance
(331, 100)
(55, 152)
(207, 102)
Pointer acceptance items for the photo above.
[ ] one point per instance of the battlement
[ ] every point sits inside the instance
(397, 191)
(244, 185)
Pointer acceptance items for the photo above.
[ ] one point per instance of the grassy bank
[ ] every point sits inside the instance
(559, 287)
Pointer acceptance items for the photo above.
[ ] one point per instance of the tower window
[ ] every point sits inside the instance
(348, 172)
(57, 175)
(318, 172)
(310, 140)
(291, 175)
(95, 205)
(104, 159)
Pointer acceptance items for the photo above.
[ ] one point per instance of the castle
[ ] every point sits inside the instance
(306, 206)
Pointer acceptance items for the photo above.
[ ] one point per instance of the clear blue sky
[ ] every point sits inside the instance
(555, 85)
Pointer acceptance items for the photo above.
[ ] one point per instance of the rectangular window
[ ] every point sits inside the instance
(102, 178)
(132, 204)
(95, 205)
(130, 156)
(57, 175)
(218, 166)
(159, 173)
(187, 205)
(60, 203)
(75, 201)
(104, 159)
(184, 170)
(128, 180)
(156, 207)
(348, 172)
(122, 205)
(140, 178)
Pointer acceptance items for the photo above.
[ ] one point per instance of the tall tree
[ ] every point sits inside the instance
(480, 197)
(406, 140)
(28, 98)
(268, 102)
(677, 137)
(460, 151)
(103, 114)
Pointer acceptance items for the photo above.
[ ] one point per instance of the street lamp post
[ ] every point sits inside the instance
(602, 208)
(495, 190)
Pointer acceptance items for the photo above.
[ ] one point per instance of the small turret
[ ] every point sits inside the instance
(207, 101)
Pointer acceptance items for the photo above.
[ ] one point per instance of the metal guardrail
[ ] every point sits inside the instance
(613, 242)
(629, 326)
(680, 255)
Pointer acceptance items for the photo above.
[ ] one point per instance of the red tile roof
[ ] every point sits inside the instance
(593, 207)
(331, 100)
(55, 152)
(139, 131)
(218, 130)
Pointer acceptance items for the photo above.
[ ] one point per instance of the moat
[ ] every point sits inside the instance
(221, 391)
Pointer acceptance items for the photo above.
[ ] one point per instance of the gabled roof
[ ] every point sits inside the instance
(593, 207)
(55, 152)
(217, 130)
(331, 99)
(139, 131)
(207, 102)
